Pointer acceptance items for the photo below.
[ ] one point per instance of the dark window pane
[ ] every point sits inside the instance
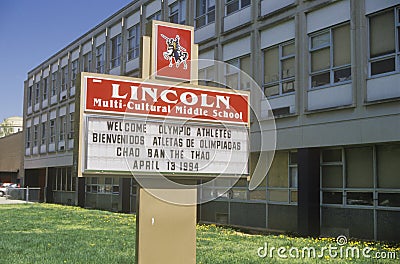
(258, 194)
(293, 158)
(332, 197)
(332, 155)
(382, 34)
(342, 75)
(287, 87)
(245, 3)
(320, 79)
(200, 21)
(272, 90)
(332, 177)
(232, 7)
(388, 166)
(359, 167)
(383, 66)
(359, 198)
(211, 16)
(389, 199)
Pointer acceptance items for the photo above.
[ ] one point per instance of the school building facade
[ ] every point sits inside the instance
(330, 71)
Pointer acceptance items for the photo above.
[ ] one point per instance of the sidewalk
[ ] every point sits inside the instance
(3, 200)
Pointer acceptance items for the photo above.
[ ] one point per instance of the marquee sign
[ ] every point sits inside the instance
(133, 125)
(139, 145)
(151, 99)
(172, 50)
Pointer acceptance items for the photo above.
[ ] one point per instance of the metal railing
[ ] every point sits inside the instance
(28, 194)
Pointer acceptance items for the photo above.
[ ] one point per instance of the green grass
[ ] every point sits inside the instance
(48, 233)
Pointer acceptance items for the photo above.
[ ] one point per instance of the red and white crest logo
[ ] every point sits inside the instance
(172, 50)
(175, 52)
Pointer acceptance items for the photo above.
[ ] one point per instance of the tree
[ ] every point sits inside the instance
(6, 128)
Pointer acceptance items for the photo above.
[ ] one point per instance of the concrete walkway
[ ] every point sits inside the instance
(3, 200)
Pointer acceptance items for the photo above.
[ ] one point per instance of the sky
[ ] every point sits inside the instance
(31, 31)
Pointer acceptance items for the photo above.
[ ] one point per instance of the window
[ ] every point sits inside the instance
(133, 42)
(382, 54)
(87, 62)
(102, 185)
(100, 59)
(64, 78)
(388, 166)
(28, 137)
(235, 5)
(54, 83)
(116, 51)
(52, 130)
(74, 72)
(236, 79)
(45, 88)
(43, 137)
(282, 178)
(71, 125)
(37, 92)
(63, 125)
(64, 180)
(155, 16)
(29, 96)
(35, 135)
(205, 12)
(347, 176)
(330, 56)
(177, 12)
(279, 69)
(207, 76)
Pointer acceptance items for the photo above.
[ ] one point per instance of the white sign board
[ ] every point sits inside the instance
(141, 145)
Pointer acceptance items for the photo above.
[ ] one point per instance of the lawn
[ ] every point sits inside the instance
(47, 233)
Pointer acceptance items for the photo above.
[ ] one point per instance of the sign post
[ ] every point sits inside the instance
(167, 135)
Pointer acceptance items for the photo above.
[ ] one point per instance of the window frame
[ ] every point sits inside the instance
(52, 126)
(101, 58)
(64, 78)
(236, 70)
(281, 81)
(71, 125)
(87, 61)
(395, 55)
(45, 88)
(240, 6)
(74, 71)
(35, 135)
(133, 42)
(331, 70)
(63, 127)
(54, 87)
(289, 189)
(43, 133)
(37, 92)
(29, 96)
(208, 15)
(344, 190)
(181, 15)
(116, 51)
(28, 139)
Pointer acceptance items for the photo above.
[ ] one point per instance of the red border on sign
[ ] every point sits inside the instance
(168, 101)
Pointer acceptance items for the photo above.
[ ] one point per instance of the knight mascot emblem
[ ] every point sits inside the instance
(175, 52)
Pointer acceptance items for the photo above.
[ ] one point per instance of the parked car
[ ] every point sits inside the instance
(5, 186)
